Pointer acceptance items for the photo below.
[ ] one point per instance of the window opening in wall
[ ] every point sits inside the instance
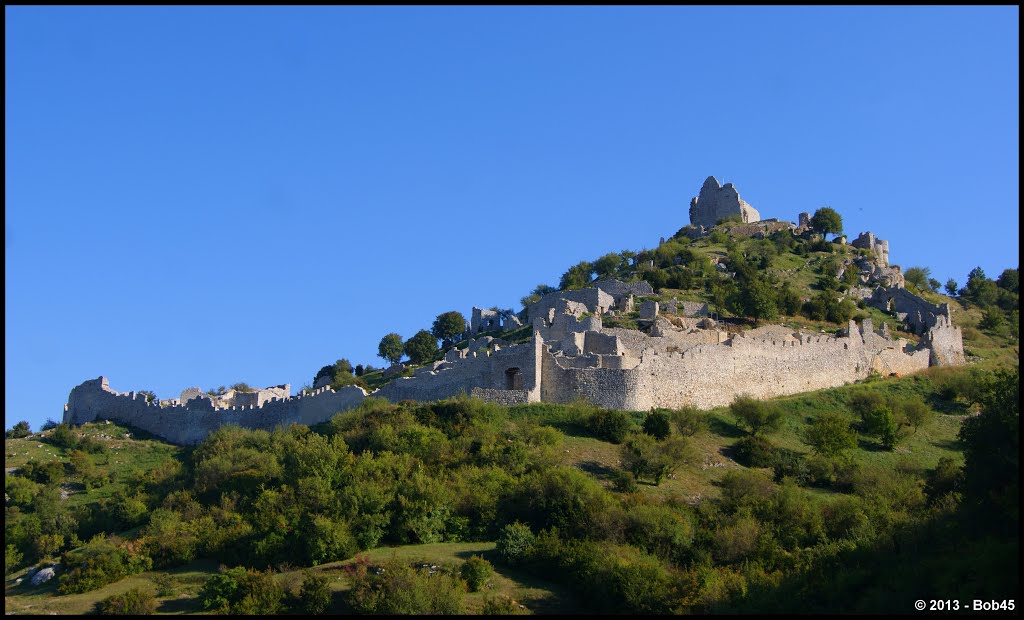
(513, 379)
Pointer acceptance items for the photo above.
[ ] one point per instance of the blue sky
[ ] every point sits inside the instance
(199, 196)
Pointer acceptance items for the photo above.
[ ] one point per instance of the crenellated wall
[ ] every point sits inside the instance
(181, 424)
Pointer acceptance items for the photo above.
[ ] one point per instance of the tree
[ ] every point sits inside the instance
(476, 572)
(515, 543)
(951, 287)
(991, 475)
(645, 457)
(657, 424)
(315, 593)
(980, 289)
(360, 370)
(608, 265)
(1009, 280)
(577, 276)
(829, 434)
(757, 415)
(915, 412)
(390, 348)
(421, 348)
(448, 327)
(21, 429)
(918, 276)
(827, 220)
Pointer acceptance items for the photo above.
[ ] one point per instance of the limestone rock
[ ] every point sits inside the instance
(716, 201)
(44, 575)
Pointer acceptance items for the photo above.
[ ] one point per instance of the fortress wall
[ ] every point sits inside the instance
(94, 400)
(486, 372)
(596, 301)
(712, 375)
(946, 344)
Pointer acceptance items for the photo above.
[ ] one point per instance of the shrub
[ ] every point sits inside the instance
(654, 460)
(757, 415)
(829, 434)
(134, 602)
(242, 591)
(401, 589)
(689, 421)
(98, 563)
(754, 451)
(610, 425)
(624, 481)
(476, 571)
(500, 605)
(515, 543)
(657, 424)
(19, 430)
(315, 593)
(12, 558)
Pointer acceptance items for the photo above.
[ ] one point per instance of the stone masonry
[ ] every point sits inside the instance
(716, 202)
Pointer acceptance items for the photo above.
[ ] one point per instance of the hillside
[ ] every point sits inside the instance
(734, 517)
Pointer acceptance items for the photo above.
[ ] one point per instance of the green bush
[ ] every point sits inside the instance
(500, 605)
(315, 593)
(98, 563)
(19, 430)
(754, 451)
(657, 424)
(476, 571)
(401, 589)
(689, 421)
(134, 602)
(610, 425)
(242, 591)
(757, 415)
(515, 543)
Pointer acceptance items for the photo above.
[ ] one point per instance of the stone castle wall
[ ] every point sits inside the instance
(94, 400)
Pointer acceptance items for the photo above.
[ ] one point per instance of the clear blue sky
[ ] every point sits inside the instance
(199, 196)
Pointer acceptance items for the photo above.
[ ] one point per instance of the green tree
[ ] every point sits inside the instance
(980, 289)
(915, 412)
(476, 572)
(19, 430)
(390, 348)
(421, 348)
(577, 276)
(448, 327)
(134, 602)
(1009, 280)
(918, 276)
(515, 543)
(951, 287)
(315, 593)
(646, 457)
(608, 265)
(830, 434)
(759, 416)
(827, 220)
(657, 424)
(991, 475)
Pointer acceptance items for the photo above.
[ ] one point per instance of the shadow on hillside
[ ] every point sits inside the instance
(179, 606)
(949, 444)
(597, 469)
(722, 428)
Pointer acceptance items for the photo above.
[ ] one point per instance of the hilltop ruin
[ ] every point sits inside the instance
(680, 358)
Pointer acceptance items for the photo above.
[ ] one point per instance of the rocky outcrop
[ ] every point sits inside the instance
(716, 202)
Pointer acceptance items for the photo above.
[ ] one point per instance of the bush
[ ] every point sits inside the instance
(242, 591)
(476, 571)
(829, 434)
(624, 481)
(610, 425)
(12, 559)
(757, 415)
(689, 421)
(315, 593)
(657, 424)
(401, 589)
(501, 605)
(21, 429)
(134, 602)
(754, 451)
(98, 563)
(515, 543)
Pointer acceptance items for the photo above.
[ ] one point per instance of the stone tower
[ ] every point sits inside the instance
(716, 202)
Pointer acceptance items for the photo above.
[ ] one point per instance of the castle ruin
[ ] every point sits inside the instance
(682, 359)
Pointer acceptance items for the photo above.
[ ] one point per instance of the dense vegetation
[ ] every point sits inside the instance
(790, 520)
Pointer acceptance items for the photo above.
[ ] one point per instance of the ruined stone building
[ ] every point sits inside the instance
(682, 359)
